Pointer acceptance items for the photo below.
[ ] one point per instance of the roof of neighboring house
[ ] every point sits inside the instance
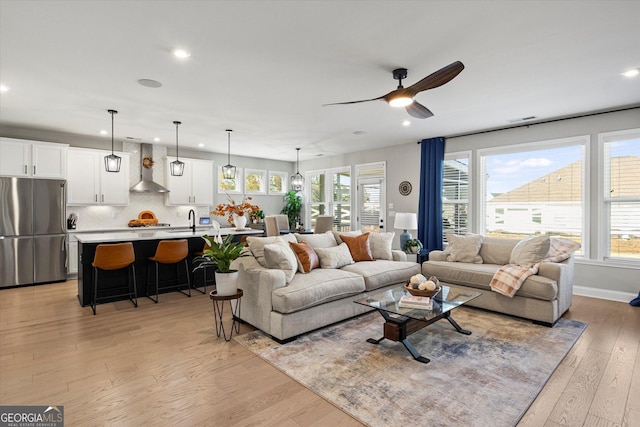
(565, 185)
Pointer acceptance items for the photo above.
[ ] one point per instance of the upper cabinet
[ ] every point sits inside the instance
(194, 187)
(33, 159)
(89, 183)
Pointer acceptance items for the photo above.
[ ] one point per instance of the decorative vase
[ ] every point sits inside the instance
(240, 221)
(227, 283)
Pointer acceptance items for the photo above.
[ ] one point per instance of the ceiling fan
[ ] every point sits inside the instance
(404, 97)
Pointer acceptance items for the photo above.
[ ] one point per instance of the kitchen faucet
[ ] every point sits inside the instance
(193, 226)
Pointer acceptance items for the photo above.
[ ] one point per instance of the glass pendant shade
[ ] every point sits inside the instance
(297, 180)
(229, 171)
(112, 162)
(177, 167)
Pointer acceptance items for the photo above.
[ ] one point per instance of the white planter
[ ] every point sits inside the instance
(240, 221)
(227, 283)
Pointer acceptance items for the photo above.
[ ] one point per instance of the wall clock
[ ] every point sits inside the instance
(405, 188)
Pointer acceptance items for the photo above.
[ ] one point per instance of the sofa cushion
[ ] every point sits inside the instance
(359, 247)
(479, 276)
(318, 287)
(279, 255)
(381, 245)
(530, 251)
(497, 250)
(335, 257)
(322, 240)
(464, 248)
(380, 273)
(307, 257)
(256, 245)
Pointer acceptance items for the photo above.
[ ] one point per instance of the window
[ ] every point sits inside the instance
(255, 181)
(455, 193)
(230, 186)
(620, 152)
(371, 196)
(535, 188)
(277, 182)
(329, 193)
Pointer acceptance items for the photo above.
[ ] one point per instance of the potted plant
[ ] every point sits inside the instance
(257, 216)
(236, 213)
(292, 207)
(412, 246)
(221, 255)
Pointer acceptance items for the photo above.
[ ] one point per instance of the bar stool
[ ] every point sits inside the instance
(204, 270)
(171, 252)
(114, 257)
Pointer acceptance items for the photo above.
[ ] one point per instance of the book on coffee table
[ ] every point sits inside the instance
(411, 301)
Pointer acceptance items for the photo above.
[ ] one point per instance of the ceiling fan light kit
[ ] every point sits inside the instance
(404, 97)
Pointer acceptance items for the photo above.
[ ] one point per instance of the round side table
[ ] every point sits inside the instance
(218, 311)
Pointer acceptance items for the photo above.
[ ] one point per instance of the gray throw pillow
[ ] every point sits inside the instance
(464, 248)
(530, 251)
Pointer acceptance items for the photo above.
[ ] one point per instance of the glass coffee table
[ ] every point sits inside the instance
(401, 322)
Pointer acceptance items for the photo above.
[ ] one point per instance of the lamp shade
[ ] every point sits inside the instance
(406, 221)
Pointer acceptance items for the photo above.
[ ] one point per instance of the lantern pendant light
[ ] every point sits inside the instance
(229, 171)
(297, 180)
(112, 162)
(177, 167)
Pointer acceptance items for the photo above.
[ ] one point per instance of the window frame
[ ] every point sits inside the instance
(239, 182)
(469, 201)
(263, 181)
(285, 184)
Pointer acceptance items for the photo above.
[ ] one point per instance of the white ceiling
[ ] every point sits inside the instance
(264, 68)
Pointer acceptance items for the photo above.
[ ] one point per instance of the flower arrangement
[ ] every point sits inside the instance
(231, 208)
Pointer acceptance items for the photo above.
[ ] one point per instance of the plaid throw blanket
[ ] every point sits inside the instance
(510, 277)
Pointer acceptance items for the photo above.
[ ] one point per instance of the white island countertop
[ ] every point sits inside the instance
(155, 234)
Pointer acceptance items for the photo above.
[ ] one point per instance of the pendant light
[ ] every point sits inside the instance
(229, 171)
(112, 162)
(177, 167)
(297, 180)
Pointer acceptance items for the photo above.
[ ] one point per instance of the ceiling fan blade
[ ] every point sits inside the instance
(440, 77)
(353, 102)
(418, 110)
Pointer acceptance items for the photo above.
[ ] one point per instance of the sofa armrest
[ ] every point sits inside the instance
(562, 273)
(398, 255)
(437, 256)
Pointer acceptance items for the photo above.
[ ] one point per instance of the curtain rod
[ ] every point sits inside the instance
(543, 122)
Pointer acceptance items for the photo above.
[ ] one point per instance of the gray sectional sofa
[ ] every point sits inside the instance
(543, 297)
(284, 302)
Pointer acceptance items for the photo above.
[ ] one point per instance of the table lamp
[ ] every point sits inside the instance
(405, 221)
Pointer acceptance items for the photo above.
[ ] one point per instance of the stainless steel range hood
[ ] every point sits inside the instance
(147, 184)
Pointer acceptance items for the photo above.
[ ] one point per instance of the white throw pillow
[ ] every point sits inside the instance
(464, 248)
(257, 244)
(336, 234)
(279, 255)
(380, 244)
(322, 240)
(335, 257)
(530, 251)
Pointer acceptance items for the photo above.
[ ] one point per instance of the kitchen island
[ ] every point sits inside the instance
(145, 243)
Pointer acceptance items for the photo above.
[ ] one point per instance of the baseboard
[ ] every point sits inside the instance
(603, 294)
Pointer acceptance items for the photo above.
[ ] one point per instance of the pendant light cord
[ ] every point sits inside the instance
(112, 112)
(177, 123)
(229, 146)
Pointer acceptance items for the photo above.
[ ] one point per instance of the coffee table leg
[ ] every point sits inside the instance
(414, 352)
(455, 325)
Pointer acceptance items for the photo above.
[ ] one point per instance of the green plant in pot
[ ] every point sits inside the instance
(221, 255)
(292, 207)
(412, 246)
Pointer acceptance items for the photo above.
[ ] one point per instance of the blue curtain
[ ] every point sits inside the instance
(430, 203)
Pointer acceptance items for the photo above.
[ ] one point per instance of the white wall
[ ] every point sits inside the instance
(592, 277)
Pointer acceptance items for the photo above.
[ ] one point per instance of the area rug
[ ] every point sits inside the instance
(488, 378)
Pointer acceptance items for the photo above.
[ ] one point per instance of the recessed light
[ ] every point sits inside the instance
(4, 89)
(149, 83)
(631, 73)
(406, 123)
(201, 145)
(103, 132)
(156, 139)
(181, 53)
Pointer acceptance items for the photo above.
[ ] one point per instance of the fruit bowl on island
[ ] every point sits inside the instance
(420, 286)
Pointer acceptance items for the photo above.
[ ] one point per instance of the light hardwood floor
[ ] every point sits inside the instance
(163, 365)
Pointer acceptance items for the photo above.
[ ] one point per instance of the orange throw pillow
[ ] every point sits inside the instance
(307, 257)
(359, 247)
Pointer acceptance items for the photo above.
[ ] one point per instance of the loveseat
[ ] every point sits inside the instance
(470, 263)
(285, 296)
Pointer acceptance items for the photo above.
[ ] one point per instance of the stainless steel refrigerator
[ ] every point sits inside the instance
(32, 231)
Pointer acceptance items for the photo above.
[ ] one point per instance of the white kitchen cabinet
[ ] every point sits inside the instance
(33, 159)
(194, 187)
(72, 255)
(88, 183)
